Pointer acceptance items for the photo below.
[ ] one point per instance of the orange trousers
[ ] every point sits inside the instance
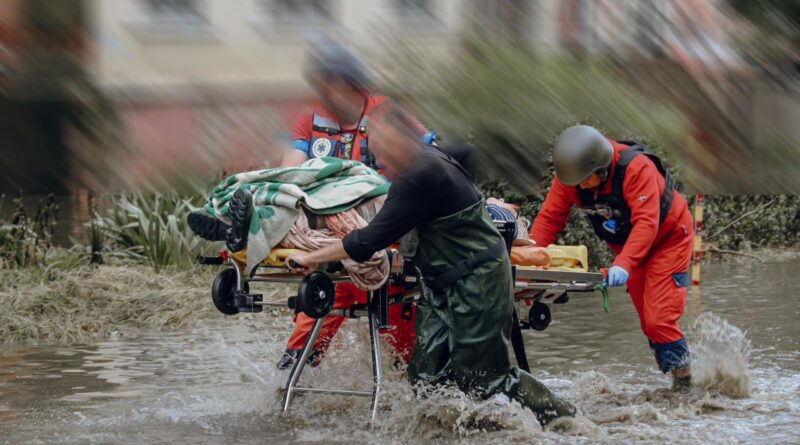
(401, 337)
(658, 289)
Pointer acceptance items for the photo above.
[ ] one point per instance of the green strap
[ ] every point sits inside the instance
(606, 299)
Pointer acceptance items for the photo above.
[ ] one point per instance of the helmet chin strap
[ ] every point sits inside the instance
(603, 174)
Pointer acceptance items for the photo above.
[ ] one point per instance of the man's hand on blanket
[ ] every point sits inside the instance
(300, 262)
(309, 261)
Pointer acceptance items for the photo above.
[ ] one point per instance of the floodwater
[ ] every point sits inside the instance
(217, 383)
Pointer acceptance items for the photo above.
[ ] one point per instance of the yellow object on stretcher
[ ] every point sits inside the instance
(565, 258)
(574, 258)
(276, 257)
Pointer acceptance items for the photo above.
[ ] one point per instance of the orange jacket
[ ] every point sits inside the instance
(642, 187)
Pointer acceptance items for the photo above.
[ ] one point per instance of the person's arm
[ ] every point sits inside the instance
(309, 261)
(406, 206)
(293, 158)
(300, 140)
(403, 210)
(642, 196)
(554, 214)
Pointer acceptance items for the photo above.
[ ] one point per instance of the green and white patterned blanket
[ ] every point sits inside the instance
(323, 185)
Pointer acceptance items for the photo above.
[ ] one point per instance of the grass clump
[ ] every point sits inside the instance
(81, 303)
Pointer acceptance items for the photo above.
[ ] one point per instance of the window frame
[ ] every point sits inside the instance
(276, 27)
(147, 28)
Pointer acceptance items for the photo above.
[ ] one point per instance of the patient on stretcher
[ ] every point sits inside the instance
(524, 251)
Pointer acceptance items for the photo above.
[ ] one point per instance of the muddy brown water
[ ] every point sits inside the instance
(217, 383)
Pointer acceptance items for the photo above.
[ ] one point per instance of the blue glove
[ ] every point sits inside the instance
(617, 276)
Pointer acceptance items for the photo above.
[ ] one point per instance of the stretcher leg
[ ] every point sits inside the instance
(377, 374)
(297, 369)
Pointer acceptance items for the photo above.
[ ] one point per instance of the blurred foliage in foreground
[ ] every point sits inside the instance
(512, 101)
(716, 125)
(512, 104)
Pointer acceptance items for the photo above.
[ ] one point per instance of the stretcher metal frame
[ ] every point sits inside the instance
(534, 285)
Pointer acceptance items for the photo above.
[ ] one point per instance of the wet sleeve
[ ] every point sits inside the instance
(641, 194)
(554, 214)
(404, 209)
(301, 132)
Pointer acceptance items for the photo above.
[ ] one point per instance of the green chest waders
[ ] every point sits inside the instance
(464, 315)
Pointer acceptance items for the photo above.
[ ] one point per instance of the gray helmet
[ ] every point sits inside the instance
(329, 59)
(580, 151)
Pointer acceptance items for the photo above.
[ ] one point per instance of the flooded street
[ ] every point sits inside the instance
(217, 383)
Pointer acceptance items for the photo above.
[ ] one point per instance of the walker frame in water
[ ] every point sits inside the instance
(535, 286)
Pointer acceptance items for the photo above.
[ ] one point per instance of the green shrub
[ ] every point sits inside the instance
(152, 227)
(26, 239)
(775, 223)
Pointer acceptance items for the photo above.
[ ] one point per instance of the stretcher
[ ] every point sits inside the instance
(535, 290)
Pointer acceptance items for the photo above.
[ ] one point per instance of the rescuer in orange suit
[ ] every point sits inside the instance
(632, 203)
(337, 126)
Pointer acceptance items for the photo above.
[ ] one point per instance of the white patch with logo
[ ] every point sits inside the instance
(321, 148)
(642, 198)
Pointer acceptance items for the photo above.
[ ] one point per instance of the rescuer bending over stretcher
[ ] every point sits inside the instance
(633, 205)
(464, 314)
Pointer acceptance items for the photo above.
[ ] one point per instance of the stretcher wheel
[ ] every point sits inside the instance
(315, 295)
(539, 316)
(223, 292)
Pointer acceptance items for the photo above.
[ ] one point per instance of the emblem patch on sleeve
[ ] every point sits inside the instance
(321, 148)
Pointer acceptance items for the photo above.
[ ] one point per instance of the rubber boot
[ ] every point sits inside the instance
(682, 379)
(207, 227)
(537, 397)
(240, 209)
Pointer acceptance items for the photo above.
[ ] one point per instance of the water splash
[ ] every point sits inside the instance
(721, 353)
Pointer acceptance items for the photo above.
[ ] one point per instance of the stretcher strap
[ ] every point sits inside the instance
(606, 298)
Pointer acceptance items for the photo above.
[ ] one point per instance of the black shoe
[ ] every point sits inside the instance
(207, 227)
(240, 209)
(288, 359)
(314, 359)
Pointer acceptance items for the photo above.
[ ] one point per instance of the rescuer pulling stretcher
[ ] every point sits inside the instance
(633, 205)
(465, 310)
(232, 293)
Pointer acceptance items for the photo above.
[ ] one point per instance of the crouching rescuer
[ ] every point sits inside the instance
(632, 203)
(464, 315)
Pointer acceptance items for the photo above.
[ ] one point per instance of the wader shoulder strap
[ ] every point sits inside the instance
(465, 267)
(665, 203)
(449, 159)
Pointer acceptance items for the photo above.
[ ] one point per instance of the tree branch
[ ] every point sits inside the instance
(715, 249)
(752, 212)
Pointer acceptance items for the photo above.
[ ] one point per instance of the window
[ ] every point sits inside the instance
(297, 11)
(172, 21)
(414, 8)
(187, 12)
